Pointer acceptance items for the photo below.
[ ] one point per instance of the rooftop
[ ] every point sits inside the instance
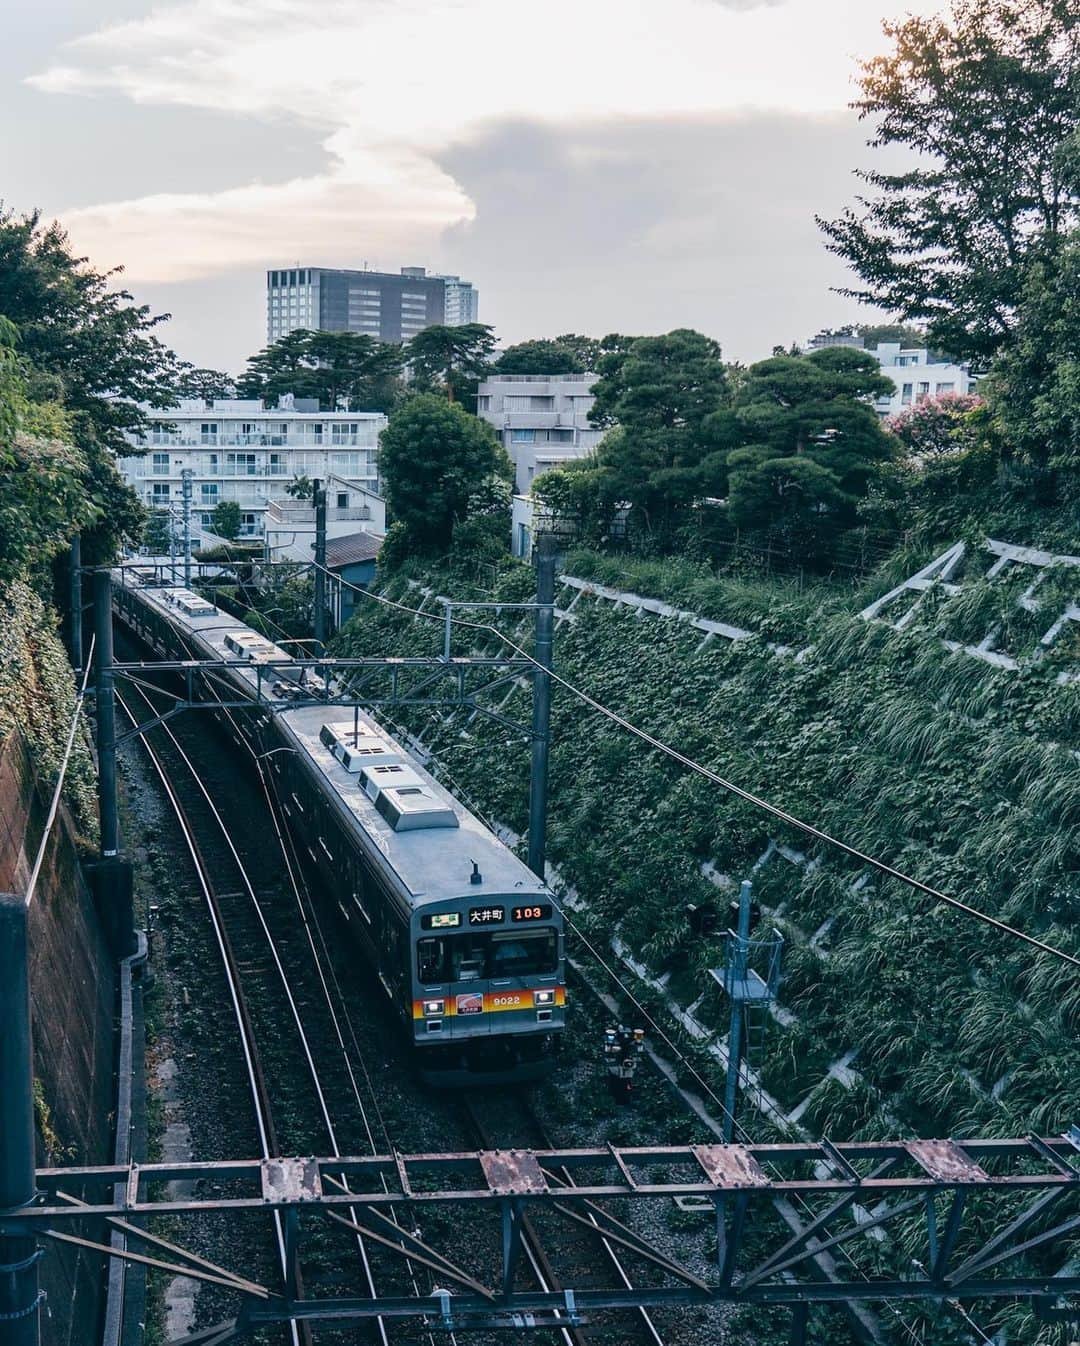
(352, 549)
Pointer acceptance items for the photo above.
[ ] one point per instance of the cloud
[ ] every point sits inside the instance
(649, 225)
(387, 85)
(370, 206)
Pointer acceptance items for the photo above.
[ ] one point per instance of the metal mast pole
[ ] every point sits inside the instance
(737, 982)
(319, 500)
(106, 714)
(19, 1295)
(541, 708)
(185, 487)
(172, 542)
(76, 602)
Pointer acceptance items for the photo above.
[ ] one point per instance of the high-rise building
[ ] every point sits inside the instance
(387, 305)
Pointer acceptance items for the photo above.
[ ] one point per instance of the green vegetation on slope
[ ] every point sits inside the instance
(956, 772)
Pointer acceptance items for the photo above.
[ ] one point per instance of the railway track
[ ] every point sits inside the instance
(261, 979)
(259, 987)
(519, 1127)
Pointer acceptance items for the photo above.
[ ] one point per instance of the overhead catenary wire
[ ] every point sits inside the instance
(54, 806)
(740, 792)
(659, 1031)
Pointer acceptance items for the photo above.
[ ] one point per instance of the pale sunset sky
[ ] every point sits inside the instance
(591, 165)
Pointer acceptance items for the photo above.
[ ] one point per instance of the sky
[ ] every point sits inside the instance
(590, 165)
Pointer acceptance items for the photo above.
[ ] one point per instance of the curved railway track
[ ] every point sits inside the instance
(256, 973)
(238, 920)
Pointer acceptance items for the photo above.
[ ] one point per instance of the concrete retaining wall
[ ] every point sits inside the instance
(72, 982)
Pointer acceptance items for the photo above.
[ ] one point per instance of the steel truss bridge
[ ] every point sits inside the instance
(982, 1219)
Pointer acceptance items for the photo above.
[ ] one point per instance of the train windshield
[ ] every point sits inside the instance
(475, 956)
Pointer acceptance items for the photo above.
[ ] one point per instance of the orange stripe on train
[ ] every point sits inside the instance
(469, 1003)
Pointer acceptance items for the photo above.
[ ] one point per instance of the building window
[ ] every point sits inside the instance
(522, 436)
(210, 492)
(242, 464)
(159, 492)
(343, 500)
(248, 523)
(483, 403)
(905, 395)
(160, 464)
(946, 388)
(561, 436)
(924, 390)
(207, 520)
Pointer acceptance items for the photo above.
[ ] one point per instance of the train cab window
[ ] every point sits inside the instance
(515, 954)
(475, 956)
(430, 960)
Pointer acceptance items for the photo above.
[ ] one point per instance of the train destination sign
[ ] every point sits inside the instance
(441, 920)
(539, 911)
(486, 915)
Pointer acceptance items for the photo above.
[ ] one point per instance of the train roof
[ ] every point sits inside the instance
(426, 836)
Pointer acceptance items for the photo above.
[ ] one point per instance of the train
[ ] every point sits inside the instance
(462, 938)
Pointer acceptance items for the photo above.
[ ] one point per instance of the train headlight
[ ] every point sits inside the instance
(434, 1006)
(543, 997)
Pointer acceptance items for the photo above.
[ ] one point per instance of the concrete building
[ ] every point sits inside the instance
(462, 302)
(391, 306)
(351, 560)
(916, 375)
(238, 451)
(914, 371)
(542, 420)
(289, 524)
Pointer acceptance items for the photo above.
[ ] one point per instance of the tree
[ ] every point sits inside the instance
(158, 532)
(568, 354)
(453, 357)
(811, 442)
(346, 370)
(301, 488)
(664, 398)
(93, 342)
(208, 384)
(1034, 390)
(227, 520)
(936, 425)
(87, 351)
(989, 100)
(439, 465)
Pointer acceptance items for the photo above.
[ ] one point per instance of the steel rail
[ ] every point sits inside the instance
(308, 918)
(252, 1066)
(285, 983)
(530, 1239)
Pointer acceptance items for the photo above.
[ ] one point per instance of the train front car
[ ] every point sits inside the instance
(489, 987)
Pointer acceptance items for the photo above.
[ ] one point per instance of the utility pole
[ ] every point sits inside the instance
(172, 543)
(105, 705)
(185, 488)
(19, 1295)
(111, 876)
(76, 602)
(541, 707)
(737, 980)
(318, 495)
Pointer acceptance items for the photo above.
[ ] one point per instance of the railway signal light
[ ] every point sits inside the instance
(623, 1050)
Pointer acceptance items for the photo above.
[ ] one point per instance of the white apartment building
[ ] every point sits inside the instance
(461, 301)
(541, 419)
(916, 376)
(239, 451)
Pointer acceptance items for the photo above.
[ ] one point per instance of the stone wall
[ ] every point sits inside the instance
(72, 981)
